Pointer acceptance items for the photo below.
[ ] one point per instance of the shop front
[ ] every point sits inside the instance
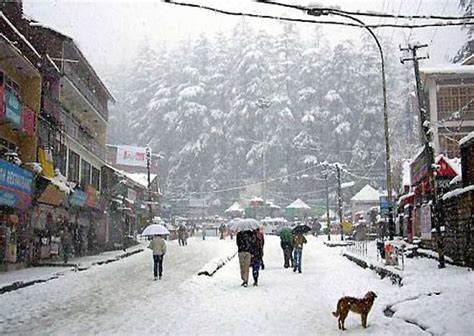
(15, 198)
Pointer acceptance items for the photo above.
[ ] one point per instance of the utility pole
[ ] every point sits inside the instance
(339, 196)
(263, 104)
(148, 163)
(327, 204)
(426, 139)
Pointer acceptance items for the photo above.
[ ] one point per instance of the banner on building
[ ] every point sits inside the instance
(425, 221)
(13, 108)
(15, 185)
(28, 121)
(78, 198)
(91, 196)
(45, 158)
(131, 156)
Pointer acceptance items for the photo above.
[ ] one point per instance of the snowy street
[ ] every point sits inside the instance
(122, 298)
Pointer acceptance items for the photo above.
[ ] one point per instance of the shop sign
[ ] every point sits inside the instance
(419, 167)
(425, 221)
(13, 108)
(15, 185)
(28, 121)
(52, 195)
(7, 198)
(78, 198)
(91, 198)
(131, 156)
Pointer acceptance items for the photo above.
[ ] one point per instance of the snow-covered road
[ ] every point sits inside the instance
(121, 299)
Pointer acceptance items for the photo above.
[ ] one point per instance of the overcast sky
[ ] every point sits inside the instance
(108, 31)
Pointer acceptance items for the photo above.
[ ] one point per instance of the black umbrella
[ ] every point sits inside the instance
(301, 229)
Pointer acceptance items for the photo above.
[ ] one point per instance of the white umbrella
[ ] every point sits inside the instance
(244, 224)
(155, 229)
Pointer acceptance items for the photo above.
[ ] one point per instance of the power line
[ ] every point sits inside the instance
(368, 14)
(338, 23)
(436, 29)
(417, 11)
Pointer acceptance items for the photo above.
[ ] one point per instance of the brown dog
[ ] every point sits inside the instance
(359, 306)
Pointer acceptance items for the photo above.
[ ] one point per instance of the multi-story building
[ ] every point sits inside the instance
(20, 88)
(450, 94)
(70, 144)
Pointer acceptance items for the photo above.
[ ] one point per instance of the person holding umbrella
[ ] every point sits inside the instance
(245, 242)
(158, 246)
(298, 241)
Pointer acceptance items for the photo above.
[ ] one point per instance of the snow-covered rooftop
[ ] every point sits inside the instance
(140, 178)
(298, 204)
(366, 194)
(235, 208)
(449, 69)
(466, 138)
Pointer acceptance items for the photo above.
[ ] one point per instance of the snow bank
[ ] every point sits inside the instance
(457, 192)
(212, 266)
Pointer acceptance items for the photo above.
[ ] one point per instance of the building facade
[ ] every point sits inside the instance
(450, 94)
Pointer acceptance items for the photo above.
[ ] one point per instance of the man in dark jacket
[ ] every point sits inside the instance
(256, 251)
(245, 240)
(286, 243)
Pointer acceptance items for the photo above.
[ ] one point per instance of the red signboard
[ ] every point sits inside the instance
(91, 196)
(28, 121)
(445, 169)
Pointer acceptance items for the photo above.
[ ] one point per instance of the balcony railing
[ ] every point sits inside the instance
(72, 75)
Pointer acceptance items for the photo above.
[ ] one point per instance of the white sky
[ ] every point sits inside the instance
(108, 31)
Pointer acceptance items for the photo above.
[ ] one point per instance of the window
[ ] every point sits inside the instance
(62, 156)
(85, 173)
(449, 144)
(7, 146)
(452, 99)
(73, 168)
(96, 178)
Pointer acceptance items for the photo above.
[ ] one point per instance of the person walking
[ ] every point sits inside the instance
(245, 239)
(182, 235)
(298, 240)
(256, 250)
(260, 237)
(66, 241)
(286, 243)
(158, 245)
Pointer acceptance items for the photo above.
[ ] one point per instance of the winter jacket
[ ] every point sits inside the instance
(298, 241)
(286, 239)
(245, 240)
(158, 245)
(257, 245)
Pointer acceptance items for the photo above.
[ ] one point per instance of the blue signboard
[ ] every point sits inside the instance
(15, 185)
(7, 198)
(14, 177)
(78, 198)
(13, 108)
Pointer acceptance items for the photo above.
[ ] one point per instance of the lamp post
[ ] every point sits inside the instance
(319, 12)
(263, 104)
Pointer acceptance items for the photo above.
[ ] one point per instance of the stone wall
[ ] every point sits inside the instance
(458, 222)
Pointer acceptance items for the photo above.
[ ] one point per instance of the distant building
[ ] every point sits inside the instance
(364, 200)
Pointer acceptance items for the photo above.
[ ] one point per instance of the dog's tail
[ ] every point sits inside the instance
(336, 313)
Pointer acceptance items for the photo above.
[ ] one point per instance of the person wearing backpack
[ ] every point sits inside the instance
(286, 243)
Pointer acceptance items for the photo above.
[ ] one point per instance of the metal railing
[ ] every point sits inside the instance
(359, 247)
(73, 76)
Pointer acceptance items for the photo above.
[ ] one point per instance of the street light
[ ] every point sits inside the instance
(320, 12)
(263, 104)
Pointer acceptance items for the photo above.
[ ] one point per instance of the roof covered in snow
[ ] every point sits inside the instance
(466, 139)
(140, 178)
(235, 208)
(298, 204)
(366, 194)
(449, 69)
